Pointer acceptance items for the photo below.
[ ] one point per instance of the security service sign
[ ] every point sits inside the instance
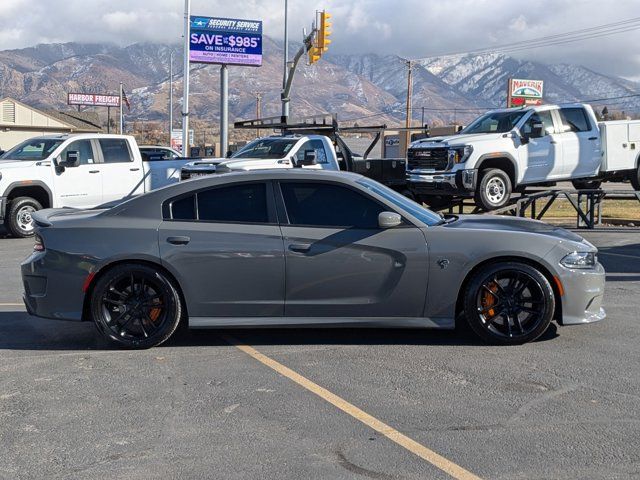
(524, 92)
(93, 100)
(225, 41)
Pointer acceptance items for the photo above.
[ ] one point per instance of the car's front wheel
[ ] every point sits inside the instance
(135, 306)
(494, 189)
(19, 221)
(509, 303)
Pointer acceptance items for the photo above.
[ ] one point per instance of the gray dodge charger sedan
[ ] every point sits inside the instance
(304, 248)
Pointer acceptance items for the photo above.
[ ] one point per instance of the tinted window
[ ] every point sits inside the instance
(574, 120)
(84, 149)
(329, 205)
(539, 117)
(156, 154)
(184, 209)
(115, 150)
(246, 203)
(313, 145)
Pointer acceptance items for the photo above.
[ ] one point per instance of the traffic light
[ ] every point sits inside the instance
(324, 32)
(314, 54)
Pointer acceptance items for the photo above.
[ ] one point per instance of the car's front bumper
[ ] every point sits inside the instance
(583, 295)
(460, 182)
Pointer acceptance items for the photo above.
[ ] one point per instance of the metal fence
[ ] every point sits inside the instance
(586, 203)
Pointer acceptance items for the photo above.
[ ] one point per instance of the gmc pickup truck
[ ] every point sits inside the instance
(81, 171)
(509, 149)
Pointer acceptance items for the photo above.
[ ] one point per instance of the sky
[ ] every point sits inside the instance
(409, 28)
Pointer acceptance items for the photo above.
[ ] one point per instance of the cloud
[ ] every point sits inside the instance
(410, 28)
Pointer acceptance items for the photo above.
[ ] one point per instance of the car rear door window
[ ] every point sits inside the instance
(574, 119)
(115, 150)
(329, 205)
(184, 208)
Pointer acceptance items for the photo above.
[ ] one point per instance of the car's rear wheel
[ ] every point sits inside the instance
(509, 303)
(135, 306)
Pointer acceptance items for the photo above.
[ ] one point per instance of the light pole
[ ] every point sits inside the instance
(285, 101)
(185, 79)
(170, 95)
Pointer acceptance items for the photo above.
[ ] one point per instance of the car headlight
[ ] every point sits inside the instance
(460, 154)
(579, 260)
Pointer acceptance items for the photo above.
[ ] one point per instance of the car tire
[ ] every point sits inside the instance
(583, 184)
(18, 220)
(494, 189)
(135, 306)
(509, 303)
(635, 179)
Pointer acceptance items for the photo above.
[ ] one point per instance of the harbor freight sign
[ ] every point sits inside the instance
(225, 41)
(93, 100)
(524, 92)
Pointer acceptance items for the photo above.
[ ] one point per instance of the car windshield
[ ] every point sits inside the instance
(495, 122)
(34, 149)
(266, 148)
(424, 215)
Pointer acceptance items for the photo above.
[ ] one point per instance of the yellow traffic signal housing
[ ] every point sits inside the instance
(324, 32)
(314, 54)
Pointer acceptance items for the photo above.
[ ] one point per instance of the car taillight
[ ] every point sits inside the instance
(38, 245)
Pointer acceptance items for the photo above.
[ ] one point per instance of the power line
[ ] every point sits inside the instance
(557, 39)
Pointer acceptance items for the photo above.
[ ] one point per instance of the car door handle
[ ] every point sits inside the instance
(553, 141)
(178, 240)
(300, 247)
(593, 138)
(134, 169)
(94, 171)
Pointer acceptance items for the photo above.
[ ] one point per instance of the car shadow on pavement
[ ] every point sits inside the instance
(20, 331)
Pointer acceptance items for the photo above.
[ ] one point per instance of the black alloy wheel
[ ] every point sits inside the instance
(509, 303)
(135, 306)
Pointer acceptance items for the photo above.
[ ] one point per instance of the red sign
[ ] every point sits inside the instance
(93, 100)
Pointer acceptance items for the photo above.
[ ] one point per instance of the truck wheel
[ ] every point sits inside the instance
(635, 179)
(494, 189)
(582, 184)
(18, 220)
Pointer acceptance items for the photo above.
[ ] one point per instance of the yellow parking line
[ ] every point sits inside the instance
(391, 433)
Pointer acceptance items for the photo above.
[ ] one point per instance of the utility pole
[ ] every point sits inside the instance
(224, 110)
(409, 94)
(170, 95)
(285, 77)
(422, 121)
(185, 79)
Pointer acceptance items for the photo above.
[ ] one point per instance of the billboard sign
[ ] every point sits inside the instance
(93, 100)
(228, 41)
(524, 92)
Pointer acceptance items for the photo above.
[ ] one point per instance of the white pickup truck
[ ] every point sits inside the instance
(509, 149)
(308, 150)
(82, 171)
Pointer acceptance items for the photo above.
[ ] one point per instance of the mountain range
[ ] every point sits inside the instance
(368, 88)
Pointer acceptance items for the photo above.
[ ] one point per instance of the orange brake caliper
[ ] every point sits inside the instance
(489, 300)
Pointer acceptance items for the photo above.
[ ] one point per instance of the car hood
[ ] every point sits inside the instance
(503, 224)
(204, 163)
(8, 163)
(452, 140)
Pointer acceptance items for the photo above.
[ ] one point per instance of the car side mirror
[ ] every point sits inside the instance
(229, 153)
(537, 130)
(389, 219)
(308, 159)
(71, 160)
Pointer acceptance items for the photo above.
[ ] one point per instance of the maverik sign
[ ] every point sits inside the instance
(524, 92)
(93, 100)
(225, 41)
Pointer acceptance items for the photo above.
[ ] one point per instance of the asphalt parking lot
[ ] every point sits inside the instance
(564, 407)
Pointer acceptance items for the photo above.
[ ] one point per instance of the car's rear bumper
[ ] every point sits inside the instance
(583, 295)
(60, 299)
(461, 182)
